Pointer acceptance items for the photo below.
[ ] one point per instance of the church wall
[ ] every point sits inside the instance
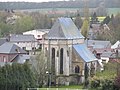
(70, 60)
(58, 44)
(77, 61)
(64, 41)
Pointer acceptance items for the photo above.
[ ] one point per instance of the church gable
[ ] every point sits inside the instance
(56, 31)
(64, 28)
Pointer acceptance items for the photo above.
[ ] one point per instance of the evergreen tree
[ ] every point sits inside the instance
(106, 20)
(78, 21)
(16, 77)
(94, 18)
(86, 75)
(85, 28)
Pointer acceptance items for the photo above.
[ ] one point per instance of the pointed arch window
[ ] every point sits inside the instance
(77, 69)
(53, 61)
(61, 60)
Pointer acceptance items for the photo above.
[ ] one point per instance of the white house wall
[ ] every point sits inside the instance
(27, 45)
(36, 33)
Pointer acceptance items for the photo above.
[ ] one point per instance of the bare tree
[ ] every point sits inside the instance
(39, 65)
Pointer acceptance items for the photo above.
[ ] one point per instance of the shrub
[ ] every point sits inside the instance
(95, 83)
(108, 85)
(117, 82)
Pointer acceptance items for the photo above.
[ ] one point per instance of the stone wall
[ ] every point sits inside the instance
(69, 80)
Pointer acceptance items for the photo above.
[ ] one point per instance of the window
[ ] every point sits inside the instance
(33, 48)
(40, 46)
(61, 61)
(67, 53)
(24, 48)
(46, 51)
(17, 50)
(0, 59)
(77, 69)
(57, 53)
(38, 35)
(53, 61)
(4, 59)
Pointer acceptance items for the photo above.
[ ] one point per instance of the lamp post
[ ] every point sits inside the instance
(49, 79)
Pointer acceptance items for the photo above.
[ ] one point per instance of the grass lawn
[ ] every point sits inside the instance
(72, 87)
(60, 89)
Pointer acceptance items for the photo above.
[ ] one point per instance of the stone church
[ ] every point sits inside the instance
(67, 54)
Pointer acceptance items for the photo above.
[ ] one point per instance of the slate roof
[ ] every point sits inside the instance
(107, 54)
(98, 44)
(64, 28)
(84, 53)
(20, 37)
(44, 30)
(2, 41)
(10, 48)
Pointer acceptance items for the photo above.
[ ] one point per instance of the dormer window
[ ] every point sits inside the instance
(17, 50)
(38, 35)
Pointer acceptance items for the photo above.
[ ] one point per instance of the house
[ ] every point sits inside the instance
(10, 52)
(93, 31)
(38, 34)
(67, 53)
(98, 47)
(116, 45)
(26, 42)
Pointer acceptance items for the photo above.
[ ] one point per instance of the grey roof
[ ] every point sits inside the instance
(84, 53)
(107, 54)
(21, 58)
(9, 48)
(64, 28)
(20, 37)
(43, 30)
(2, 41)
(98, 43)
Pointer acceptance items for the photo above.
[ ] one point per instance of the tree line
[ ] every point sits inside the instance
(28, 21)
(17, 23)
(59, 4)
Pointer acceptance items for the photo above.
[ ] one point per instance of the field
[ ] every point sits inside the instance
(113, 11)
(69, 10)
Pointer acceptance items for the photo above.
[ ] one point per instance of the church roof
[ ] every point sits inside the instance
(64, 28)
(84, 53)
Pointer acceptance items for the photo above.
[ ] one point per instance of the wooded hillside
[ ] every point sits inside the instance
(59, 4)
